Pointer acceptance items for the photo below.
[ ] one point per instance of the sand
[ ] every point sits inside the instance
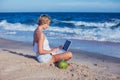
(18, 62)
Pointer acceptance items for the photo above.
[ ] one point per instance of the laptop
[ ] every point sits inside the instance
(65, 47)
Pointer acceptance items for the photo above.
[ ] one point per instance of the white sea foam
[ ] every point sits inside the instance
(16, 26)
(99, 34)
(92, 24)
(9, 32)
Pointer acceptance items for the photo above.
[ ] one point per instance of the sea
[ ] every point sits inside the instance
(88, 31)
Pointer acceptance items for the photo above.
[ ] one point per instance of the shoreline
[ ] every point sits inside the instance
(18, 58)
(80, 43)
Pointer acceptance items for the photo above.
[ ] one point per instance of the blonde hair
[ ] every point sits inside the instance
(43, 19)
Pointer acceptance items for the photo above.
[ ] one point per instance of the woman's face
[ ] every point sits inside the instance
(46, 26)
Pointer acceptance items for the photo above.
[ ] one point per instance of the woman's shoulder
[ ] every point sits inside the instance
(39, 33)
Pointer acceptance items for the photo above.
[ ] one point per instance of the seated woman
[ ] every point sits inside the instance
(41, 44)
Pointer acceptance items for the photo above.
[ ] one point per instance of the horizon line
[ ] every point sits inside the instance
(56, 12)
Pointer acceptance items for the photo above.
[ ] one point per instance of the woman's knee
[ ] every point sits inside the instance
(70, 54)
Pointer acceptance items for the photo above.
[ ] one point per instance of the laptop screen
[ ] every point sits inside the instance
(66, 45)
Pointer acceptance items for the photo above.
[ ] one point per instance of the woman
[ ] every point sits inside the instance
(41, 46)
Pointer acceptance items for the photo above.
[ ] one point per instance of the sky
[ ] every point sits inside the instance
(59, 5)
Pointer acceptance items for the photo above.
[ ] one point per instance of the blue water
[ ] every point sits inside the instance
(75, 26)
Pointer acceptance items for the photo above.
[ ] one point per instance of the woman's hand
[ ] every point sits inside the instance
(54, 50)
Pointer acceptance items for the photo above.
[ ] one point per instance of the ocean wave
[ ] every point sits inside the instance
(113, 23)
(16, 26)
(12, 32)
(99, 34)
(93, 24)
(25, 27)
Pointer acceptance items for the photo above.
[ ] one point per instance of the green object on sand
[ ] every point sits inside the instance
(63, 64)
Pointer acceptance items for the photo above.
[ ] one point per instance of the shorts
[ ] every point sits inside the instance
(45, 58)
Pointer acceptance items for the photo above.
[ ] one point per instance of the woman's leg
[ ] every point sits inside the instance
(63, 56)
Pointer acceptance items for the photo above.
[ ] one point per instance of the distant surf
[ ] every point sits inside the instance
(104, 31)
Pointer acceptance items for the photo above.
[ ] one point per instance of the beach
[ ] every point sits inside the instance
(18, 62)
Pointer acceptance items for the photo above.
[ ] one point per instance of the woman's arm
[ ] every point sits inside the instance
(41, 39)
